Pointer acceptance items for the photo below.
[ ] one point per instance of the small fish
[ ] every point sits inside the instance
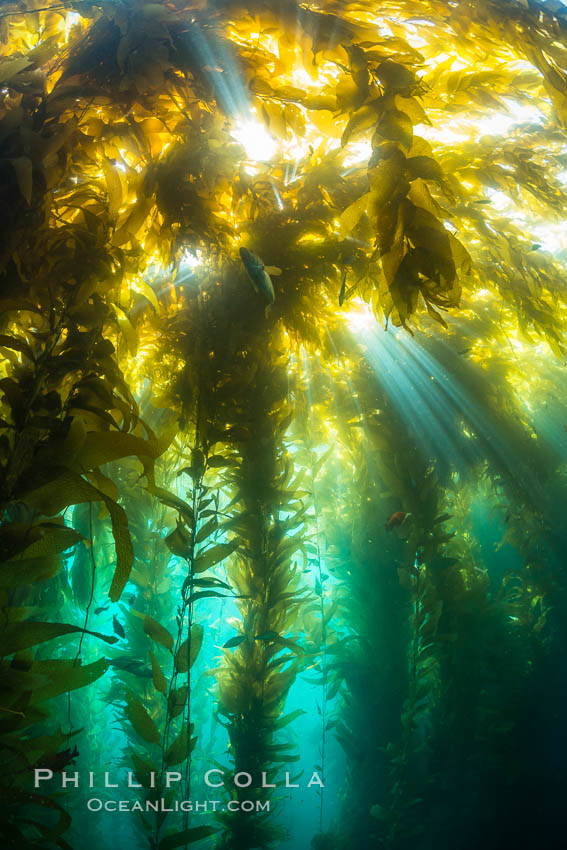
(267, 636)
(117, 626)
(343, 289)
(259, 274)
(101, 609)
(60, 760)
(131, 665)
(397, 519)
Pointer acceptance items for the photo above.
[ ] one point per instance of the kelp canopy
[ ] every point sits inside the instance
(228, 530)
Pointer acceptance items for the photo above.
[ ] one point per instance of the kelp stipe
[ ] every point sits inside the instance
(262, 660)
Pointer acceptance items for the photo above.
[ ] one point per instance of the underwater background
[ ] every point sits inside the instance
(283, 424)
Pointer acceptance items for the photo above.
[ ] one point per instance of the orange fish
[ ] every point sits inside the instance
(395, 520)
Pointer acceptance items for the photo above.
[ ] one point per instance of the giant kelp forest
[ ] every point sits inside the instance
(303, 516)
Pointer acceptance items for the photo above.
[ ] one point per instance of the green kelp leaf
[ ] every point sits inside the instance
(173, 501)
(18, 573)
(206, 594)
(53, 541)
(188, 836)
(206, 530)
(210, 582)
(214, 555)
(235, 641)
(157, 632)
(176, 700)
(289, 718)
(67, 676)
(160, 682)
(18, 636)
(180, 749)
(15, 795)
(219, 461)
(101, 447)
(143, 770)
(123, 547)
(179, 541)
(182, 661)
(141, 720)
(65, 488)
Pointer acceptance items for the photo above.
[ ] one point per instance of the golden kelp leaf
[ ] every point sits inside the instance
(386, 180)
(436, 315)
(16, 344)
(420, 195)
(141, 720)
(126, 328)
(394, 76)
(101, 447)
(461, 256)
(11, 66)
(320, 101)
(181, 658)
(159, 680)
(348, 94)
(360, 121)
(134, 221)
(425, 167)
(350, 217)
(214, 555)
(157, 632)
(18, 636)
(113, 186)
(413, 109)
(396, 126)
(23, 169)
(146, 290)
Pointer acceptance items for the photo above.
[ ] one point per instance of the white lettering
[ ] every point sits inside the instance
(213, 784)
(315, 780)
(265, 783)
(40, 775)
